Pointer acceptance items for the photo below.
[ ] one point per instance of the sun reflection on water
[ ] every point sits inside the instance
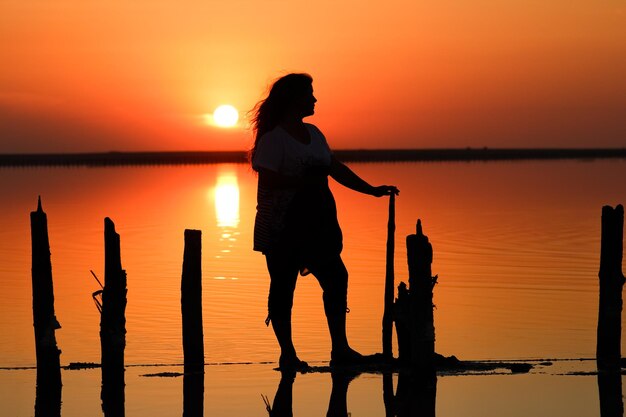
(227, 203)
(226, 198)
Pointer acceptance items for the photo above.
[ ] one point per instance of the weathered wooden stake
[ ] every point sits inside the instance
(191, 302)
(44, 319)
(608, 351)
(389, 281)
(48, 398)
(113, 324)
(421, 283)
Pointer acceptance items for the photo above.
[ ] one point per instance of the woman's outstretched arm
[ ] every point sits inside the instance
(346, 177)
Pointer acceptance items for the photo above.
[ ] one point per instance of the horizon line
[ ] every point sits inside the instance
(113, 158)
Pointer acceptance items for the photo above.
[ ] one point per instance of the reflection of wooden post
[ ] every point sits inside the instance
(112, 394)
(338, 402)
(47, 401)
(191, 302)
(44, 319)
(421, 282)
(416, 394)
(113, 324)
(610, 390)
(389, 398)
(283, 400)
(608, 353)
(193, 394)
(389, 281)
(402, 319)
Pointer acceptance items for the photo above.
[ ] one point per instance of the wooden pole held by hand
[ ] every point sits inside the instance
(389, 281)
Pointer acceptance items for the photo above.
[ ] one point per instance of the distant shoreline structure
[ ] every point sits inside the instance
(356, 155)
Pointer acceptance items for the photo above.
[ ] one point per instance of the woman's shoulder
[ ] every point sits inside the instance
(313, 128)
(315, 132)
(273, 138)
(276, 132)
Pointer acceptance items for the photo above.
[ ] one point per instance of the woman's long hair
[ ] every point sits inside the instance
(268, 112)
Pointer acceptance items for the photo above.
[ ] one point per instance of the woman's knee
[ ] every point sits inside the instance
(335, 286)
(283, 277)
(279, 301)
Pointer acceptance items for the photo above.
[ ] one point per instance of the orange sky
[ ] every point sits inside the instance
(88, 75)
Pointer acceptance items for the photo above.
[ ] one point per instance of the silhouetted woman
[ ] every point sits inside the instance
(296, 224)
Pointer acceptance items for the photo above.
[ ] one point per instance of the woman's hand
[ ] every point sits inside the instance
(382, 190)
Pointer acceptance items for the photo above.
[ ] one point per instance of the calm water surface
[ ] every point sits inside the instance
(516, 248)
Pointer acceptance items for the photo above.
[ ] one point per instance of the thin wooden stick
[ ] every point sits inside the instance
(389, 281)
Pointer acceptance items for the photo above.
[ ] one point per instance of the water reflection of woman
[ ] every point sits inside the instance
(337, 404)
(296, 225)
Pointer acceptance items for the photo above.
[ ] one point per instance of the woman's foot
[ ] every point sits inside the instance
(350, 357)
(346, 357)
(292, 363)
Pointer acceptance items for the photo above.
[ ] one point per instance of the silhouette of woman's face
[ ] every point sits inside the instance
(305, 104)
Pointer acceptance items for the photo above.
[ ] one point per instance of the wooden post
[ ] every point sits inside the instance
(44, 319)
(113, 324)
(191, 302)
(608, 351)
(389, 282)
(421, 283)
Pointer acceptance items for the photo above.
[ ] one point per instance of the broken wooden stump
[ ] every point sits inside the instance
(414, 306)
(113, 323)
(191, 302)
(608, 350)
(49, 385)
(44, 319)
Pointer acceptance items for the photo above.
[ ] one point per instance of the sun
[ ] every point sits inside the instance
(225, 116)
